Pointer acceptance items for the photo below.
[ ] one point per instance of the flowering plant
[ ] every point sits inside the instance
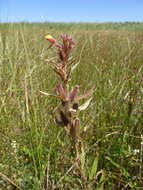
(68, 113)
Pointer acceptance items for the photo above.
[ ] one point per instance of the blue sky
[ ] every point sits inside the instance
(71, 10)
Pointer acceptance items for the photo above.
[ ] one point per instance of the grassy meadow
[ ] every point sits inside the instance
(35, 152)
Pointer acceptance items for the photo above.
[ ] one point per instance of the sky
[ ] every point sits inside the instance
(71, 10)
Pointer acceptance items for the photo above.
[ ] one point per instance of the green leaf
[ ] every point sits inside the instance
(94, 168)
(113, 162)
(85, 105)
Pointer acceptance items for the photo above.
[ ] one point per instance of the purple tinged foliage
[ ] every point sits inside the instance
(74, 93)
(62, 92)
(70, 100)
(68, 112)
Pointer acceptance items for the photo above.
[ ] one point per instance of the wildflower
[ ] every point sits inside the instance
(74, 93)
(67, 116)
(62, 92)
(64, 48)
(51, 39)
(68, 41)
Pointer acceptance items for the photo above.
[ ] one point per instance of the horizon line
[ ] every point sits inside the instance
(71, 22)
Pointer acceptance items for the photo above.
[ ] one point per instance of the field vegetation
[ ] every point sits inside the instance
(35, 153)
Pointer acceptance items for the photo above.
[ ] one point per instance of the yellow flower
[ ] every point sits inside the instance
(48, 36)
(51, 39)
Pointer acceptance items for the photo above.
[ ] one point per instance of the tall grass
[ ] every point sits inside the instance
(34, 150)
